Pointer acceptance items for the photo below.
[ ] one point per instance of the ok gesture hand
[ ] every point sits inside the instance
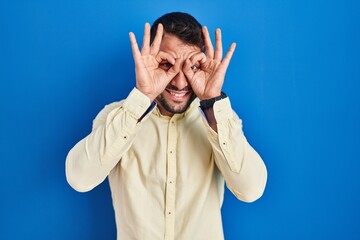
(151, 80)
(206, 73)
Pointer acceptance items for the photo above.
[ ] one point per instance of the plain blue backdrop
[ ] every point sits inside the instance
(294, 80)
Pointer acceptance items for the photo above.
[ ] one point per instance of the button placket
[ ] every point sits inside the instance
(170, 183)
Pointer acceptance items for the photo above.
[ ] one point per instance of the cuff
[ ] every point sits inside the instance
(137, 103)
(222, 110)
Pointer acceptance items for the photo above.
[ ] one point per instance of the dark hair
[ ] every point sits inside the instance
(182, 25)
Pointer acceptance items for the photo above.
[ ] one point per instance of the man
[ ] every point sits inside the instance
(168, 146)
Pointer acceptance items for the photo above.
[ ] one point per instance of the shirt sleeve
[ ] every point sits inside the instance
(114, 129)
(241, 166)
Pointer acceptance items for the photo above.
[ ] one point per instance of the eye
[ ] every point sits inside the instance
(165, 65)
(195, 68)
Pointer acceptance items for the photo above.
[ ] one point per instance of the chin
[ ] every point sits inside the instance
(173, 107)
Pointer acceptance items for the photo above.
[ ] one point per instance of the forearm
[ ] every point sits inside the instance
(243, 169)
(114, 130)
(84, 167)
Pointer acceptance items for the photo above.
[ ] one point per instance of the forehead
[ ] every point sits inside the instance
(172, 44)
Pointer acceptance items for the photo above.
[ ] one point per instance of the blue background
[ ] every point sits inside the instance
(294, 80)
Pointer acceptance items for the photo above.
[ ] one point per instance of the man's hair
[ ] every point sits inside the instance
(182, 25)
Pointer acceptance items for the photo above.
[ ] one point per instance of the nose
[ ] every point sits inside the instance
(180, 81)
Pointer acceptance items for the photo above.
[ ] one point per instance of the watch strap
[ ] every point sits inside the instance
(209, 103)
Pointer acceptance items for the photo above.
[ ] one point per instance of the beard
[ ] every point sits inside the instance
(174, 107)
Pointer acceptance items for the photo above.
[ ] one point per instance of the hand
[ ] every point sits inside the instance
(206, 73)
(151, 79)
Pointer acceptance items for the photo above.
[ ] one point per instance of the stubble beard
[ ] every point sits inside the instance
(174, 107)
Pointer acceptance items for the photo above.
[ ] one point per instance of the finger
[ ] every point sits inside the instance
(218, 43)
(174, 70)
(194, 78)
(186, 68)
(226, 61)
(134, 47)
(198, 58)
(209, 49)
(145, 49)
(164, 56)
(154, 49)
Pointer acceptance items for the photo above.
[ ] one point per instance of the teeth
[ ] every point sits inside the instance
(178, 94)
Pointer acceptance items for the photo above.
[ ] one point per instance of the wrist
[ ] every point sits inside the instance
(150, 96)
(209, 103)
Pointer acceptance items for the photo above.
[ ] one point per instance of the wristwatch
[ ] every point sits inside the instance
(209, 103)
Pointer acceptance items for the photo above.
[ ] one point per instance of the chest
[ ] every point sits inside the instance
(175, 148)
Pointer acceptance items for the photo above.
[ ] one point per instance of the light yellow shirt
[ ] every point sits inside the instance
(167, 174)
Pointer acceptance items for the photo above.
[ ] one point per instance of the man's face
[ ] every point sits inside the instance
(178, 94)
